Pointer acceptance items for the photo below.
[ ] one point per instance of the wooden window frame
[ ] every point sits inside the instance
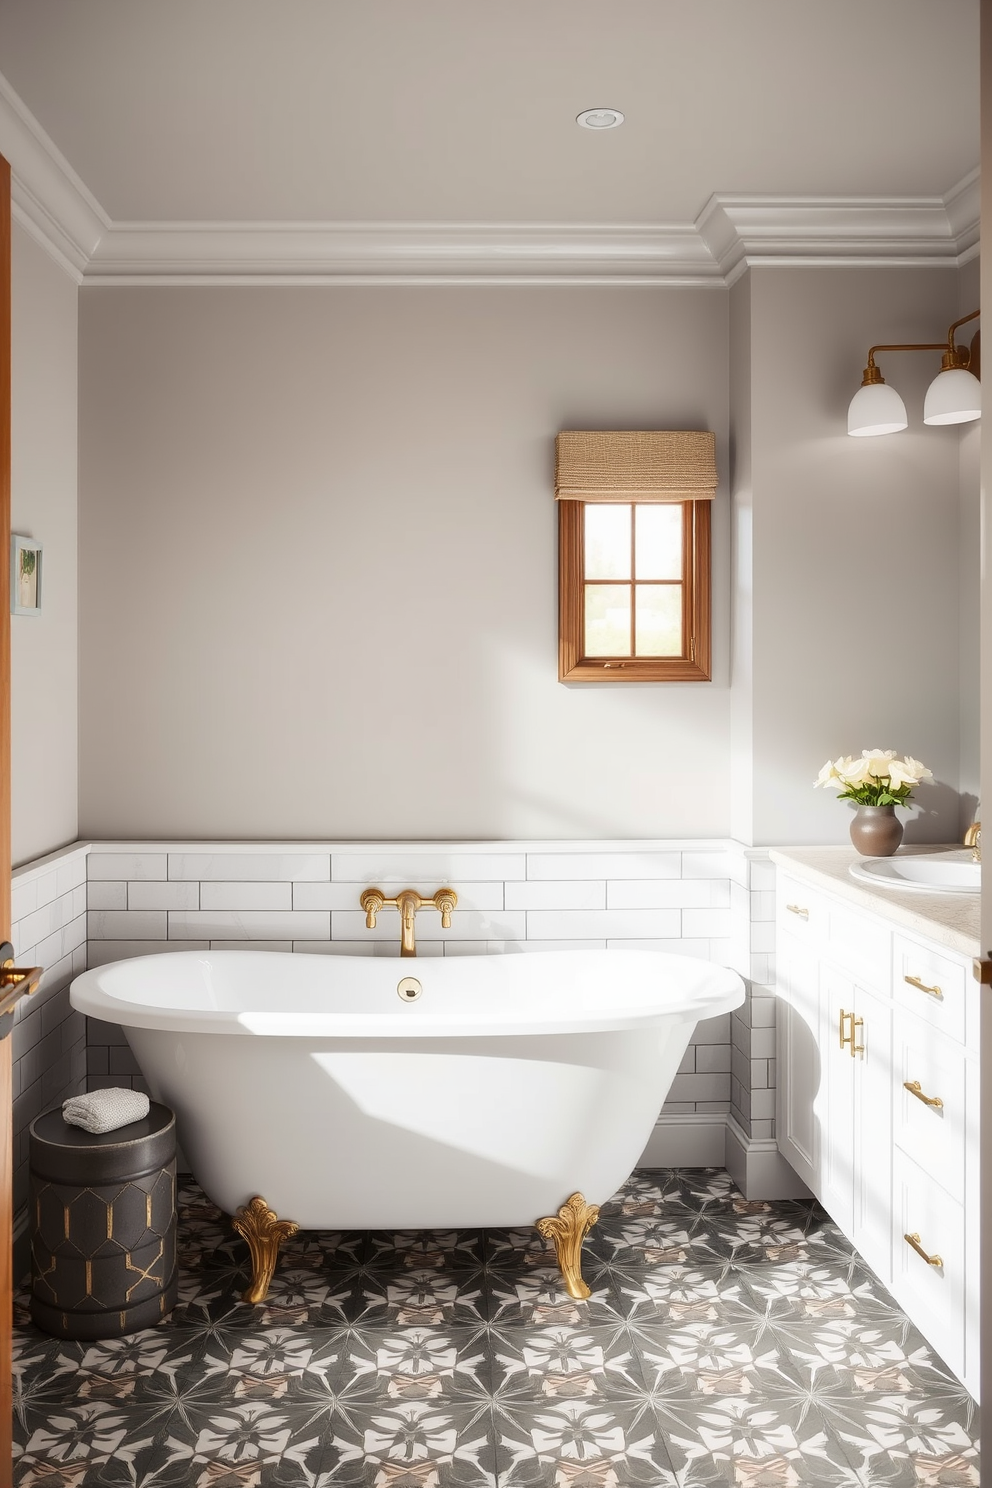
(694, 665)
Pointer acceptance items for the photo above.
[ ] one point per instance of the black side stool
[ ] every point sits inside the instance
(103, 1220)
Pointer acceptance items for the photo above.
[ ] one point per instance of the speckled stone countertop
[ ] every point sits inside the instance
(951, 920)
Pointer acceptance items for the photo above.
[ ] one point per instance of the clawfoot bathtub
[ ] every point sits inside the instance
(352, 1092)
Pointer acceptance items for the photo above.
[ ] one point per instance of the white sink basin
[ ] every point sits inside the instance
(949, 872)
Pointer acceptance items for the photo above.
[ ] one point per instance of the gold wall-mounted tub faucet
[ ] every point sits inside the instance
(408, 903)
(973, 839)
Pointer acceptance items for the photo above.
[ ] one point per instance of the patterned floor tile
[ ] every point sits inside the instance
(538, 1297)
(585, 1443)
(726, 1344)
(832, 1286)
(701, 1187)
(513, 1249)
(647, 1193)
(676, 1237)
(346, 1366)
(862, 1356)
(741, 1440)
(426, 1250)
(906, 1440)
(701, 1358)
(680, 1293)
(427, 1298)
(407, 1444)
(564, 1362)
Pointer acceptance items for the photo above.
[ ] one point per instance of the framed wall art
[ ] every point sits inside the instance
(25, 576)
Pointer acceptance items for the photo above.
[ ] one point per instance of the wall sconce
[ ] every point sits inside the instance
(954, 396)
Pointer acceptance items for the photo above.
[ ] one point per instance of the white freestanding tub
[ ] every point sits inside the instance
(510, 1082)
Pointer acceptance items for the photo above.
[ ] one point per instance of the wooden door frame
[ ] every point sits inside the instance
(985, 717)
(6, 1114)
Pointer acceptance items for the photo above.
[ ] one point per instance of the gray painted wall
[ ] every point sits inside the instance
(853, 577)
(318, 563)
(318, 554)
(43, 506)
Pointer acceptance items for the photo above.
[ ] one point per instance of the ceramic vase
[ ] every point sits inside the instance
(876, 831)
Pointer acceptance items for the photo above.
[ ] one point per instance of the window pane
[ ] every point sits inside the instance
(658, 625)
(659, 540)
(607, 620)
(607, 542)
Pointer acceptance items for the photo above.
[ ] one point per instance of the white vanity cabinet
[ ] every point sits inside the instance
(877, 1106)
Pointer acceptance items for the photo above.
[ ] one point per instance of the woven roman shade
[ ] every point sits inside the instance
(635, 465)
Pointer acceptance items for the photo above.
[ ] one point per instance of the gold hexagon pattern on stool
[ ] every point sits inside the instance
(103, 1253)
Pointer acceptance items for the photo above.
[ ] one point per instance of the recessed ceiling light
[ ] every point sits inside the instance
(601, 118)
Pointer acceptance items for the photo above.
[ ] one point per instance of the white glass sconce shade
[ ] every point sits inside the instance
(876, 408)
(954, 397)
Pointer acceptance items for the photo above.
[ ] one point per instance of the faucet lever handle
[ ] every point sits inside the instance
(372, 901)
(445, 900)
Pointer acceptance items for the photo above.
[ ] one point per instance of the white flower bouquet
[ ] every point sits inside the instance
(878, 778)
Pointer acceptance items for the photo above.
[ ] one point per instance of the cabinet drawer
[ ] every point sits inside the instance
(799, 909)
(859, 943)
(930, 984)
(932, 1295)
(930, 1125)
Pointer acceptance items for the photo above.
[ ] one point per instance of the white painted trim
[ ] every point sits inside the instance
(401, 252)
(48, 199)
(409, 845)
(693, 1140)
(758, 1168)
(831, 230)
(963, 204)
(731, 233)
(38, 867)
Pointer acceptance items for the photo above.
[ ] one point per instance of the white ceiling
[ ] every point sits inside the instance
(462, 111)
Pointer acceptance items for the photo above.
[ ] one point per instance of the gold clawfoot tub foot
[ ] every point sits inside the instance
(264, 1232)
(568, 1229)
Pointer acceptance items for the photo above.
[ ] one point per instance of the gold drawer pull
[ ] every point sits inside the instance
(845, 1036)
(922, 987)
(913, 1086)
(847, 1039)
(798, 910)
(914, 1241)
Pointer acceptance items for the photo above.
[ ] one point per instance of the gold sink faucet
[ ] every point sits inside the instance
(973, 839)
(408, 903)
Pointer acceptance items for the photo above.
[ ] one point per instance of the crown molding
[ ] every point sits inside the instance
(731, 233)
(963, 205)
(742, 231)
(398, 252)
(48, 199)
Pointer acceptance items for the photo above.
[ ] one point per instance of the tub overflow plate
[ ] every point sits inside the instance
(409, 989)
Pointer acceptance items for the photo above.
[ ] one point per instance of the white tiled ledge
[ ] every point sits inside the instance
(695, 896)
(952, 920)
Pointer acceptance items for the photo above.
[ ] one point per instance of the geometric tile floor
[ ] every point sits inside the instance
(725, 1343)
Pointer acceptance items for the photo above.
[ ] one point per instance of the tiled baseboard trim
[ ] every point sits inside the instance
(693, 1140)
(758, 1168)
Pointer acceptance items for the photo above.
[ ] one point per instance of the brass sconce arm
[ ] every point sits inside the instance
(954, 356)
(871, 372)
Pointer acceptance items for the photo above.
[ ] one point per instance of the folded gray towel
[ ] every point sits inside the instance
(105, 1110)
